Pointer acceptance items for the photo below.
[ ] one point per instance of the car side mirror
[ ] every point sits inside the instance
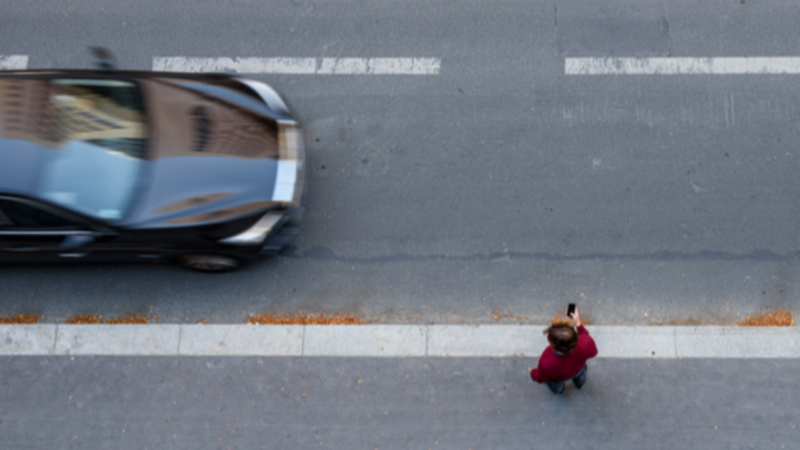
(102, 58)
(74, 241)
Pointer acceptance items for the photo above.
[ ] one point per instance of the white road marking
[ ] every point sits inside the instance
(13, 62)
(301, 66)
(681, 66)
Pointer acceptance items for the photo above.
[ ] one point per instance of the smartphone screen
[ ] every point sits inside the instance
(571, 309)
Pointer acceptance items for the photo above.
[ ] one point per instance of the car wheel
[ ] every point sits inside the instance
(209, 263)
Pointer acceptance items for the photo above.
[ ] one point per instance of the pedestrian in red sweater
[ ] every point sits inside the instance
(565, 358)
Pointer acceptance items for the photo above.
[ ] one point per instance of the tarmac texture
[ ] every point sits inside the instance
(73, 402)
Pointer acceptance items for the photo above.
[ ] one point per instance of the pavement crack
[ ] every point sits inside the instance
(665, 24)
(55, 340)
(326, 254)
(555, 26)
(555, 14)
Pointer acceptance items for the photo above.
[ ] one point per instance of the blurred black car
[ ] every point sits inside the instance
(206, 170)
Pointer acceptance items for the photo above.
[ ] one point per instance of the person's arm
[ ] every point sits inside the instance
(538, 374)
(536, 377)
(576, 317)
(586, 342)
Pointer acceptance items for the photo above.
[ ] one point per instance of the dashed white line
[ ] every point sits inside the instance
(682, 66)
(13, 62)
(301, 66)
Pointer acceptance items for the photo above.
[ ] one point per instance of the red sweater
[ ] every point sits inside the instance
(563, 367)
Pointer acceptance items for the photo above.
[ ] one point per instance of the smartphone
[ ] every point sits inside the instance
(570, 309)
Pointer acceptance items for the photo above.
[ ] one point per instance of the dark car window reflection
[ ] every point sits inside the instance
(99, 135)
(15, 215)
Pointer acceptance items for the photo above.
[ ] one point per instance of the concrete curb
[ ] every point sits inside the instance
(390, 341)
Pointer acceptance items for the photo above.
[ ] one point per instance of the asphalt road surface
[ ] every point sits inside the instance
(499, 184)
(393, 403)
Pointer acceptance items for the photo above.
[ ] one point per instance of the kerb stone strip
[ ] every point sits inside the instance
(390, 341)
(116, 339)
(27, 339)
(365, 340)
(238, 340)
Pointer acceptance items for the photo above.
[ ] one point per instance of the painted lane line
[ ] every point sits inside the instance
(13, 62)
(301, 66)
(681, 66)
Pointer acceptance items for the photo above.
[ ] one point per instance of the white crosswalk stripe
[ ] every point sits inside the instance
(682, 66)
(13, 62)
(301, 66)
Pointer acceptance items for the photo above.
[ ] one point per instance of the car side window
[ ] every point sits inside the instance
(20, 215)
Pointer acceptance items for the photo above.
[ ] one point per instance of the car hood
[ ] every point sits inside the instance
(186, 191)
(211, 157)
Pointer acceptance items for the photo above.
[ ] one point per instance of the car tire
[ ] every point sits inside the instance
(203, 262)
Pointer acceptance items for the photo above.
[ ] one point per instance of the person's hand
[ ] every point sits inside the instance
(576, 317)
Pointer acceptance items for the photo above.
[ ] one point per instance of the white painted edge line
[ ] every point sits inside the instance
(300, 66)
(13, 62)
(391, 341)
(682, 66)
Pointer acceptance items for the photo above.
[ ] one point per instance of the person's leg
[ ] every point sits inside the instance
(580, 378)
(556, 386)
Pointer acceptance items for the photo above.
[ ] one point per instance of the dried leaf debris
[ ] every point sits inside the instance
(22, 319)
(85, 319)
(300, 319)
(776, 319)
(95, 319)
(130, 320)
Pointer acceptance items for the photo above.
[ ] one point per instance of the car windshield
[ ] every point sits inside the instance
(95, 137)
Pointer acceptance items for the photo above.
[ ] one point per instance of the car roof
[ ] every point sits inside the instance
(21, 160)
(21, 163)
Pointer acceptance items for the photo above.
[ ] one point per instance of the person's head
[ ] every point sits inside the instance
(562, 337)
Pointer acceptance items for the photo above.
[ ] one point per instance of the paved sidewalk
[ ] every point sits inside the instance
(390, 341)
(157, 402)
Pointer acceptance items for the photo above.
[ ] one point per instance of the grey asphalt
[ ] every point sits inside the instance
(392, 403)
(499, 184)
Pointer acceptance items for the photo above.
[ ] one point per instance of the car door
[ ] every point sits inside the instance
(31, 232)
